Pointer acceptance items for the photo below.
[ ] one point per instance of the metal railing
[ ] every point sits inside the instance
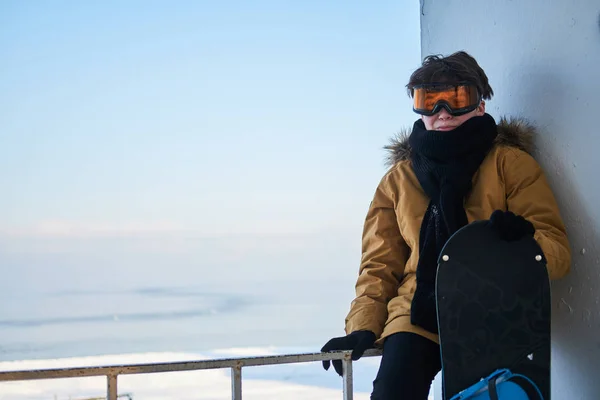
(235, 364)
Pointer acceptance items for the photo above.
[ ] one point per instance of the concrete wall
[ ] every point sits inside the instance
(543, 61)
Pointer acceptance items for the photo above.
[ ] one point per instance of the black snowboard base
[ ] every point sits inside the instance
(493, 300)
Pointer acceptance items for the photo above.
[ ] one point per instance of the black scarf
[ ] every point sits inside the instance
(444, 163)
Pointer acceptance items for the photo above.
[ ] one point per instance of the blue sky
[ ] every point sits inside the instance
(140, 124)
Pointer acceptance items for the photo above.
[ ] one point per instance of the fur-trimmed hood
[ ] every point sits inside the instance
(514, 132)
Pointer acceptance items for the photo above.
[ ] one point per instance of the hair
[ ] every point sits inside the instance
(455, 68)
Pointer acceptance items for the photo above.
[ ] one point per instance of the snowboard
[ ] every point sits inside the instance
(493, 305)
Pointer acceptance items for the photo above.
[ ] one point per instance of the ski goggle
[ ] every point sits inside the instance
(429, 99)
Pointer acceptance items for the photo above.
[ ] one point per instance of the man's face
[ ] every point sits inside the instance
(444, 121)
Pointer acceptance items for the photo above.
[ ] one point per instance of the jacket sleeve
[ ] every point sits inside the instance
(384, 255)
(529, 195)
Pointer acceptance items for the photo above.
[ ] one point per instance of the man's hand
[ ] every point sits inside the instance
(358, 342)
(511, 227)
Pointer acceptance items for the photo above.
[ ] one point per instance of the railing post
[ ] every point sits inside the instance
(111, 381)
(347, 367)
(236, 382)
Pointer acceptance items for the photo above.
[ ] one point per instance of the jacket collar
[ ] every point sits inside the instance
(512, 132)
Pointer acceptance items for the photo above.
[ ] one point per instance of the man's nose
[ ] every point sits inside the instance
(444, 114)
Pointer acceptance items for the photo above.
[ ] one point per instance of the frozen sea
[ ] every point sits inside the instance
(62, 309)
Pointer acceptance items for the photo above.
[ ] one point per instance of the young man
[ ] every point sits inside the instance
(456, 166)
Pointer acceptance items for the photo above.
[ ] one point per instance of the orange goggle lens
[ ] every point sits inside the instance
(456, 99)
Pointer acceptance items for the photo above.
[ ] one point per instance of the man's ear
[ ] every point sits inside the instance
(481, 108)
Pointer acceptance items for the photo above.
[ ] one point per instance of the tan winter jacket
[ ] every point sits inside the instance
(508, 179)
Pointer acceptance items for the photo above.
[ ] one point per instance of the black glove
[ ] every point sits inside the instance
(511, 227)
(357, 341)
